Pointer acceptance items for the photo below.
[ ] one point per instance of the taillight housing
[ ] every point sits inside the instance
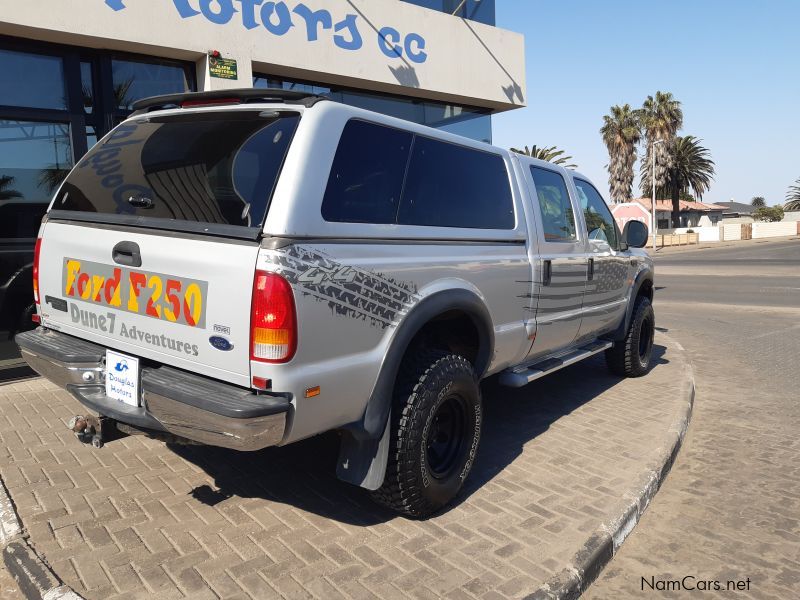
(36, 270)
(273, 319)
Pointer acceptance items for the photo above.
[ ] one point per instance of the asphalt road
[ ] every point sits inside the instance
(760, 273)
(730, 508)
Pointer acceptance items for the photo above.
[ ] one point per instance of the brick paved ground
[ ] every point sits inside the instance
(140, 519)
(730, 509)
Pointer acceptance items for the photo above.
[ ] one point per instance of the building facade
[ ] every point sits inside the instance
(72, 69)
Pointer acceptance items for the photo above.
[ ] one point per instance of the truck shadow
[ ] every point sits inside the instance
(302, 475)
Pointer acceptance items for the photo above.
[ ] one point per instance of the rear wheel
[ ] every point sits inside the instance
(631, 356)
(436, 427)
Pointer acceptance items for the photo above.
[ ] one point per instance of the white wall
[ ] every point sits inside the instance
(791, 216)
(731, 231)
(707, 234)
(763, 230)
(462, 61)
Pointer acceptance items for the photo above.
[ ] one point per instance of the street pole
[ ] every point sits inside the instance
(653, 205)
(653, 177)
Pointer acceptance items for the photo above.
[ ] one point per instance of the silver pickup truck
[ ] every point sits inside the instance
(250, 268)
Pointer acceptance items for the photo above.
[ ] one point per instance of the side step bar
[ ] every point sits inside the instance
(520, 376)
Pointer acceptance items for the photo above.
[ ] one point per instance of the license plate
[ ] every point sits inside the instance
(122, 378)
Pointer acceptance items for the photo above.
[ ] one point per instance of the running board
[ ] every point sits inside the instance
(520, 376)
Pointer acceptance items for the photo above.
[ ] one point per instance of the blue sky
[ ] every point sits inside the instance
(735, 66)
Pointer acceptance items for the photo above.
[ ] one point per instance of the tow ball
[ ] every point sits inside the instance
(87, 429)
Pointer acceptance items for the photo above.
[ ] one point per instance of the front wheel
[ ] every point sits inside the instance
(436, 427)
(631, 356)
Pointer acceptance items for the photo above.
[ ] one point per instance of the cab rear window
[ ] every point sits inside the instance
(215, 167)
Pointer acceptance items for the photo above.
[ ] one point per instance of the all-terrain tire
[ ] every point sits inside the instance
(435, 431)
(631, 356)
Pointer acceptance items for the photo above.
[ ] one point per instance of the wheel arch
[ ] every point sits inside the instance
(364, 447)
(642, 286)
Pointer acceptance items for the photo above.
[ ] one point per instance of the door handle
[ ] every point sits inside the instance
(547, 272)
(590, 272)
(128, 254)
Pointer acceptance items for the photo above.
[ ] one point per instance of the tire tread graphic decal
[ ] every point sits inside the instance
(348, 291)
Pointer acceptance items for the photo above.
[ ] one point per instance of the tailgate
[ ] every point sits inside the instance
(186, 305)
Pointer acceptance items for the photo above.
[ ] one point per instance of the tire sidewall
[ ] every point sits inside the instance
(438, 387)
(645, 319)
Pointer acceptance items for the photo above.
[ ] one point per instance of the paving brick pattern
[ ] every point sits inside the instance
(730, 508)
(139, 519)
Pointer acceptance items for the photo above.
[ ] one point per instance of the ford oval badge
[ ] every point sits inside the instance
(220, 343)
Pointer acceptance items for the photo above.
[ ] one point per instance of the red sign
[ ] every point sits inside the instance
(630, 211)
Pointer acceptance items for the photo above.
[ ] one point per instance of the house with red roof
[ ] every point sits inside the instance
(693, 214)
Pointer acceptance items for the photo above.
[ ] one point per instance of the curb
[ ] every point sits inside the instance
(604, 542)
(35, 579)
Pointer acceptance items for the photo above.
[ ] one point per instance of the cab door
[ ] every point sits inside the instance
(605, 299)
(560, 267)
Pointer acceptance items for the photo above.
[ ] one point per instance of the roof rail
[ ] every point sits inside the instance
(242, 95)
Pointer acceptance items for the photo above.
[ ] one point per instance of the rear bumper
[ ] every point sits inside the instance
(184, 404)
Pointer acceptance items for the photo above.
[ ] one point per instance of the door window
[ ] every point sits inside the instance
(558, 219)
(600, 224)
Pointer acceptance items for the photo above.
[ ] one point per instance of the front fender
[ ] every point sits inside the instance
(645, 276)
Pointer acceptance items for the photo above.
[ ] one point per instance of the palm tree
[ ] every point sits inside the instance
(5, 193)
(661, 118)
(691, 168)
(758, 202)
(550, 154)
(621, 132)
(793, 197)
(51, 177)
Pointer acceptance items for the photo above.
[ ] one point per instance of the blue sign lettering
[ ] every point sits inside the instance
(222, 12)
(415, 54)
(349, 23)
(313, 19)
(387, 42)
(277, 19)
(280, 9)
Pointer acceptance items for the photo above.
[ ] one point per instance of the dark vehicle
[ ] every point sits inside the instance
(19, 222)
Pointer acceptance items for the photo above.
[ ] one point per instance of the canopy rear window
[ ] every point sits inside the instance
(217, 168)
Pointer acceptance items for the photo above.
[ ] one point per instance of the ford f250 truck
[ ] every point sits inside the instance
(250, 268)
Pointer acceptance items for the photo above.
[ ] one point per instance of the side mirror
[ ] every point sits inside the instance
(635, 234)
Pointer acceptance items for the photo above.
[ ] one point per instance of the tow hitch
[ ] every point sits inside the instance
(88, 429)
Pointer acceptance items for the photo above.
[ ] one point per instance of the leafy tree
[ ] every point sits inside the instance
(621, 132)
(550, 154)
(692, 169)
(793, 197)
(661, 117)
(770, 214)
(758, 202)
(5, 192)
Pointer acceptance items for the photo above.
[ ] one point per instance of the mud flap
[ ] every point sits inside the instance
(362, 462)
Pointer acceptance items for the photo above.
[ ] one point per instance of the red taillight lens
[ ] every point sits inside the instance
(36, 270)
(273, 319)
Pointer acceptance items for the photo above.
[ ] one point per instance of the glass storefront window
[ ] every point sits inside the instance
(87, 87)
(262, 82)
(35, 157)
(31, 80)
(482, 11)
(134, 80)
(468, 122)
